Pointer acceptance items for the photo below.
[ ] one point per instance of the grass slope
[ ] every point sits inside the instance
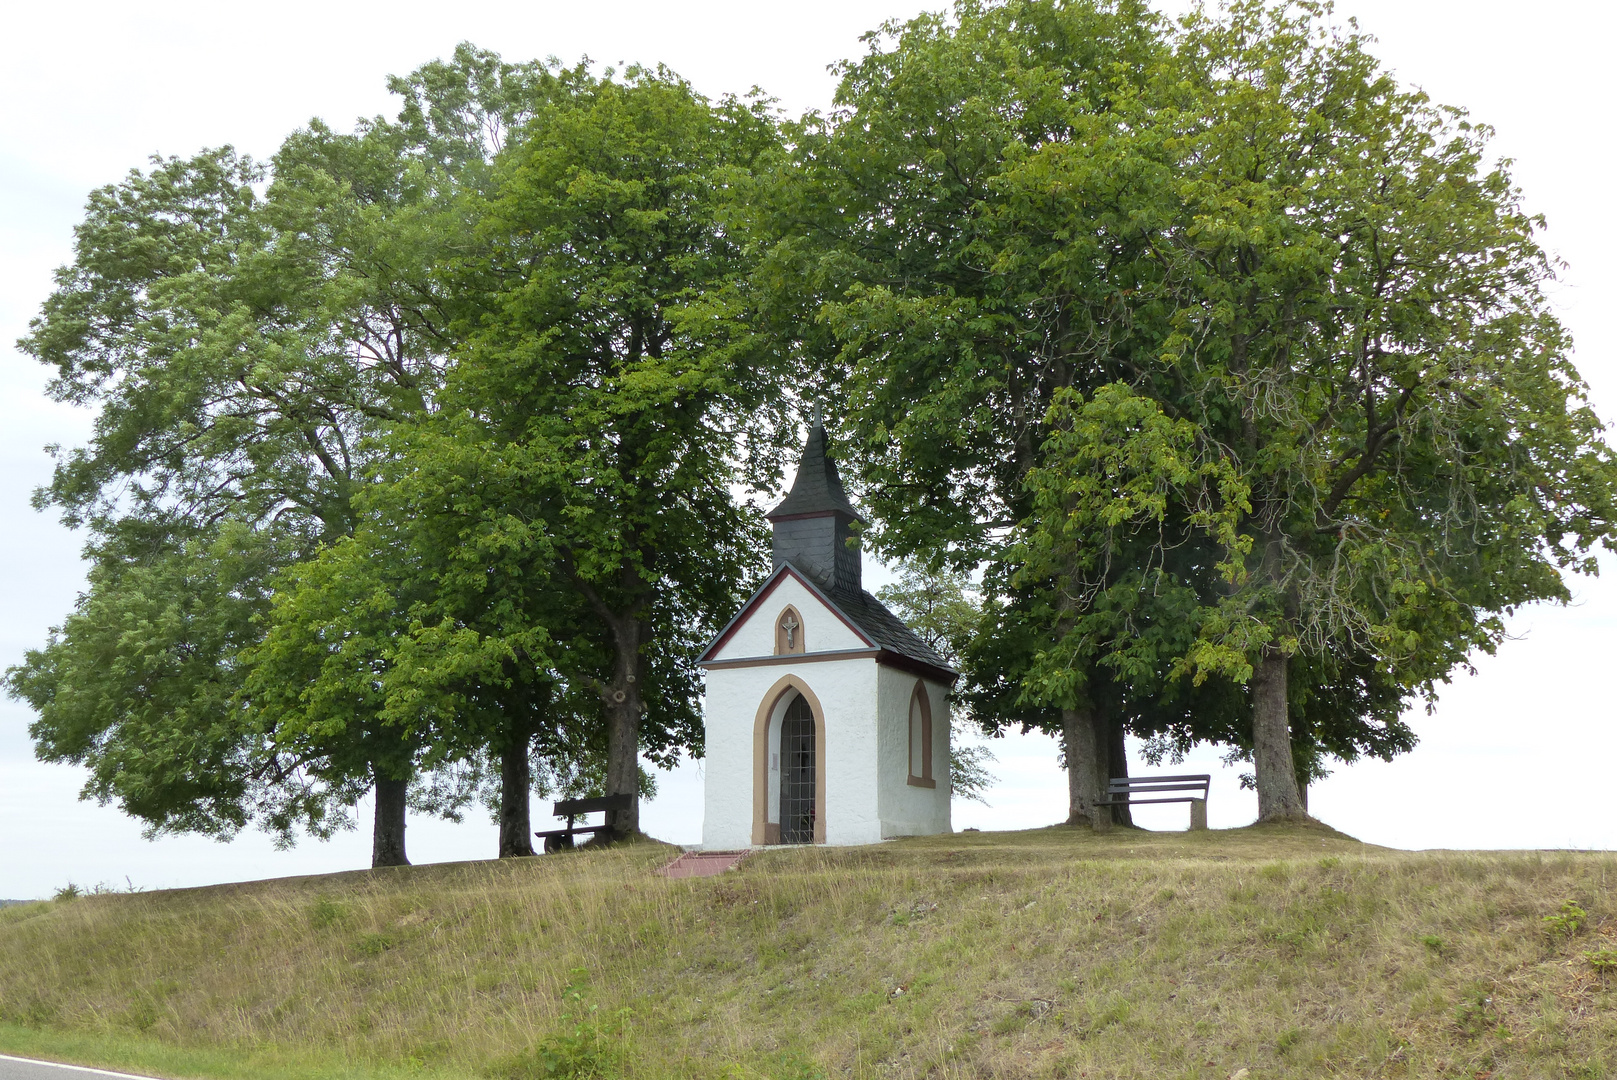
(1288, 952)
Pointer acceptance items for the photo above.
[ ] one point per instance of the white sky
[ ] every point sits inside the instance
(1516, 756)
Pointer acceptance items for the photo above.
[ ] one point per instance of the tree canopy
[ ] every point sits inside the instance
(247, 333)
(1202, 375)
(610, 388)
(1228, 356)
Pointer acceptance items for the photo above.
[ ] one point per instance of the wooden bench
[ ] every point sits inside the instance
(572, 809)
(1124, 791)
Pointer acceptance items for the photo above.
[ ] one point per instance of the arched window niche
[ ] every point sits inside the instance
(789, 632)
(921, 738)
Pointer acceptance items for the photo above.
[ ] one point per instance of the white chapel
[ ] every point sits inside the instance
(827, 719)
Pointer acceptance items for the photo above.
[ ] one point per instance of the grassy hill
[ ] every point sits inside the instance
(1286, 952)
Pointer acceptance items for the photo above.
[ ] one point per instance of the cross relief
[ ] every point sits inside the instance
(789, 632)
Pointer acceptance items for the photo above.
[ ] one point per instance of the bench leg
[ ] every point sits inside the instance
(1198, 814)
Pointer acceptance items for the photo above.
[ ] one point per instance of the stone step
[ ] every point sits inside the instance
(703, 863)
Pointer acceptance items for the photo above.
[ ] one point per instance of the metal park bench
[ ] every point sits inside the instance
(1125, 791)
(572, 809)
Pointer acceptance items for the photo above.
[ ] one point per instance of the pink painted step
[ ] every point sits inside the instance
(703, 863)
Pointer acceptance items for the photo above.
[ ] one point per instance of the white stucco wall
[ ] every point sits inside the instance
(823, 631)
(907, 810)
(847, 691)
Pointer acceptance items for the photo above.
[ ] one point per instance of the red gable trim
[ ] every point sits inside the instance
(762, 594)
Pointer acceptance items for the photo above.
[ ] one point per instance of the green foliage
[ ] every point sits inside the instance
(242, 331)
(1433, 943)
(136, 684)
(932, 296)
(1476, 1014)
(1221, 350)
(312, 679)
(606, 396)
(250, 335)
(1566, 922)
(1222, 356)
(1290, 263)
(789, 1066)
(1117, 467)
(374, 944)
(67, 892)
(589, 1046)
(1604, 961)
(939, 606)
(326, 912)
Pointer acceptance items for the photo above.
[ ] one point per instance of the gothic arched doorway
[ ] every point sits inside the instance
(772, 757)
(798, 765)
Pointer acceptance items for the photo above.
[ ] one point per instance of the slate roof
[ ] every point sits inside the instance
(883, 627)
(817, 488)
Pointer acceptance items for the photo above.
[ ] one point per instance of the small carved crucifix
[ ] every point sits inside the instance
(789, 624)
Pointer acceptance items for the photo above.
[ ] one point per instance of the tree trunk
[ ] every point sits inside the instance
(1278, 797)
(516, 778)
(624, 706)
(387, 838)
(1117, 761)
(1083, 751)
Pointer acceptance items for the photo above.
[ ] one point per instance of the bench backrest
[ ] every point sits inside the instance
(1141, 785)
(576, 807)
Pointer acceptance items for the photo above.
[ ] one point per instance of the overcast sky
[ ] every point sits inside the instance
(1515, 756)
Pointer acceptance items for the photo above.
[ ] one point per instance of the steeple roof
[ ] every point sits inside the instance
(818, 488)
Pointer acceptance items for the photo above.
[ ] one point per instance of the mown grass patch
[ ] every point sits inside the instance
(120, 1050)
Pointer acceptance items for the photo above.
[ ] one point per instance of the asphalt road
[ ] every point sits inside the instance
(16, 1068)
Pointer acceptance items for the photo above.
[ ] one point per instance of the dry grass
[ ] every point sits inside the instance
(1290, 952)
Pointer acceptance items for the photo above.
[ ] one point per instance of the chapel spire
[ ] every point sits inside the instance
(813, 525)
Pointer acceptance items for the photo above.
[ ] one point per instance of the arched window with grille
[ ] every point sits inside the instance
(921, 737)
(798, 765)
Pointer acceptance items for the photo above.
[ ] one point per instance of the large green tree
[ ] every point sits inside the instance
(614, 389)
(1361, 334)
(952, 294)
(440, 624)
(245, 333)
(1041, 235)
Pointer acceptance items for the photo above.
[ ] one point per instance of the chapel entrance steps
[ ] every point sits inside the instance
(693, 864)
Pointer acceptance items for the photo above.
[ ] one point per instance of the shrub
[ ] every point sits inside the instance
(1567, 922)
(1476, 1014)
(590, 1046)
(1603, 961)
(374, 944)
(325, 912)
